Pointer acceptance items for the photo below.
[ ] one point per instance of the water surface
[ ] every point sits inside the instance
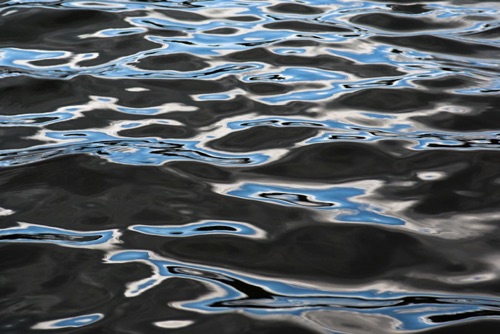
(249, 166)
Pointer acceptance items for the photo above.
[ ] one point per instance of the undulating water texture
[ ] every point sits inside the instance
(240, 167)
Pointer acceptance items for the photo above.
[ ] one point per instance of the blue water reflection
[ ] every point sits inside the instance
(73, 322)
(32, 233)
(341, 200)
(201, 228)
(238, 105)
(410, 311)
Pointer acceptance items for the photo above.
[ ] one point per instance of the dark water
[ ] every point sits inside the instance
(249, 167)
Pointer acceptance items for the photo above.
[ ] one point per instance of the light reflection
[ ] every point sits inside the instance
(73, 322)
(173, 323)
(406, 311)
(33, 233)
(206, 227)
(331, 309)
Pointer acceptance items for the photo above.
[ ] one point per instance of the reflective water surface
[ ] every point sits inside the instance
(220, 166)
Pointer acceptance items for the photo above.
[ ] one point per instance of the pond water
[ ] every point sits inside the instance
(256, 166)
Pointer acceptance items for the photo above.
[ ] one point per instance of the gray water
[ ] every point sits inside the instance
(249, 167)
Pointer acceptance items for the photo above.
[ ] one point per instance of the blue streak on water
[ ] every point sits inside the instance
(201, 228)
(145, 151)
(340, 131)
(19, 63)
(153, 151)
(296, 300)
(299, 74)
(73, 322)
(78, 321)
(45, 234)
(333, 198)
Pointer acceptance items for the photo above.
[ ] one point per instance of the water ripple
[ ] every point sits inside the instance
(46, 234)
(232, 290)
(287, 166)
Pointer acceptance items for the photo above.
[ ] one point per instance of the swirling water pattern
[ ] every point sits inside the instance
(256, 166)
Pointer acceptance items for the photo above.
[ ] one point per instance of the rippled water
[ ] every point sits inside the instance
(224, 166)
